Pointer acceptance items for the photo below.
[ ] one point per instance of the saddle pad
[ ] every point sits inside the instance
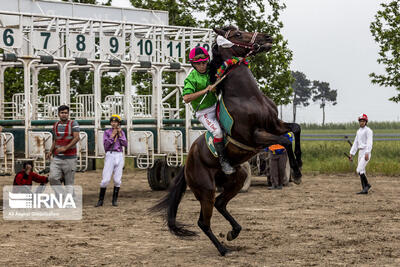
(210, 143)
(226, 122)
(224, 117)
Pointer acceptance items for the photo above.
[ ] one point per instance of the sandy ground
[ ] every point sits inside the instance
(321, 222)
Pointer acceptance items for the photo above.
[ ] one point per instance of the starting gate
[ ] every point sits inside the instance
(37, 34)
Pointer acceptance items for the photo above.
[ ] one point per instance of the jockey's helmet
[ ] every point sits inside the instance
(116, 118)
(198, 54)
(363, 117)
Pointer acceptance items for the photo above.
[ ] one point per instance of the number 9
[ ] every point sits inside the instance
(114, 45)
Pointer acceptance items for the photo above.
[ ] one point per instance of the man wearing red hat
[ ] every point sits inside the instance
(362, 143)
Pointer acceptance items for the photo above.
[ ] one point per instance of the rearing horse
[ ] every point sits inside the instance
(256, 126)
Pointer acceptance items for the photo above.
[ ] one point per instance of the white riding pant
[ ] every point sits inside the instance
(208, 118)
(113, 164)
(362, 163)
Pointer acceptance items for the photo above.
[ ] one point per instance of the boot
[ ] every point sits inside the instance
(362, 185)
(115, 196)
(101, 197)
(226, 167)
(367, 186)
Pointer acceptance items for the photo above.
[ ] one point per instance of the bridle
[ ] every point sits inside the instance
(252, 46)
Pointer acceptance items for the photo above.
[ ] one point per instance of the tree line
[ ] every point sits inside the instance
(271, 70)
(305, 91)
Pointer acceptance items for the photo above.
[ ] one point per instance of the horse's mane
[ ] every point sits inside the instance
(217, 60)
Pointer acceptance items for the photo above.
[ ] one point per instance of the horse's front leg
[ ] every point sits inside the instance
(263, 138)
(232, 185)
(296, 129)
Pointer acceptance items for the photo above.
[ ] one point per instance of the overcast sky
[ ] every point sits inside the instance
(331, 42)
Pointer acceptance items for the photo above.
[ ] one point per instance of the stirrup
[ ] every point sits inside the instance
(227, 168)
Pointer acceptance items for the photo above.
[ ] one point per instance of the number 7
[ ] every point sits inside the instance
(46, 40)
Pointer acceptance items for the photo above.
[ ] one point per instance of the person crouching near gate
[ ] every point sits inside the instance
(196, 85)
(114, 140)
(63, 150)
(277, 166)
(362, 143)
(26, 176)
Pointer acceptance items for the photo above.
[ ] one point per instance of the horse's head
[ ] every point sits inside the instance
(245, 43)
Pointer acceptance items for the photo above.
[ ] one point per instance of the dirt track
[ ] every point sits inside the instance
(321, 222)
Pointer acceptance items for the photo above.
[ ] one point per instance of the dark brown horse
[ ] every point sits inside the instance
(256, 126)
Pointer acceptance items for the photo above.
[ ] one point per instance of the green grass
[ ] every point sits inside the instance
(327, 157)
(349, 132)
(385, 125)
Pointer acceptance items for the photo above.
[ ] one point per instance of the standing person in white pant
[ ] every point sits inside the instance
(362, 143)
(114, 140)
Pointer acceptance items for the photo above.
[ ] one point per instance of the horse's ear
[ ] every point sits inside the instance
(219, 31)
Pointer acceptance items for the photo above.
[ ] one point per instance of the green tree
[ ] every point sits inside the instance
(386, 31)
(271, 69)
(13, 82)
(179, 12)
(324, 94)
(302, 91)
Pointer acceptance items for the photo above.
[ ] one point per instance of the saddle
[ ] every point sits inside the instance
(226, 121)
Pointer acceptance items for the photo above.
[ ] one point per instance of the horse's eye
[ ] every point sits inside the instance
(238, 34)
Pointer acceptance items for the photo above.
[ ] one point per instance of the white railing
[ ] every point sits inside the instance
(77, 111)
(39, 144)
(82, 152)
(18, 101)
(172, 145)
(113, 104)
(141, 106)
(6, 153)
(141, 145)
(85, 106)
(51, 103)
(8, 111)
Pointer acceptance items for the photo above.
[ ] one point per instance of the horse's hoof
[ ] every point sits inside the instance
(223, 251)
(231, 235)
(297, 177)
(297, 181)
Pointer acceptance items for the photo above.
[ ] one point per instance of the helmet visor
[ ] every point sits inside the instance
(201, 56)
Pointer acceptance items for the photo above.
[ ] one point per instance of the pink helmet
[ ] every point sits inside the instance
(198, 54)
(363, 117)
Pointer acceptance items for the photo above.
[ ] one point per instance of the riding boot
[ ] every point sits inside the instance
(362, 184)
(226, 167)
(115, 196)
(101, 197)
(367, 186)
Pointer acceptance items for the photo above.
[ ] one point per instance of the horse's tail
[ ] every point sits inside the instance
(170, 203)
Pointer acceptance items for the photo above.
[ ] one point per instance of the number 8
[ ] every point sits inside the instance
(80, 44)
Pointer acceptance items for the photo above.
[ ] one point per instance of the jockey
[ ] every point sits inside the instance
(197, 84)
(363, 143)
(114, 140)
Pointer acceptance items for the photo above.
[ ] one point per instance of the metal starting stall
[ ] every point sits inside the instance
(67, 37)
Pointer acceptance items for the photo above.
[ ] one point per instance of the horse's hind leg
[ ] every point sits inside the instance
(232, 185)
(264, 138)
(207, 205)
(296, 129)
